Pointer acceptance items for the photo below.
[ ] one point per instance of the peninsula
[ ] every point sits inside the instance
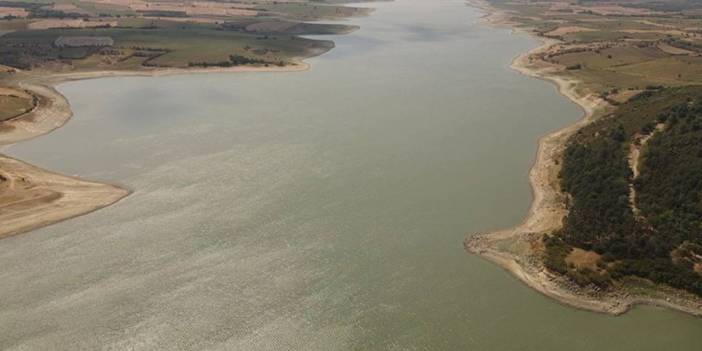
(616, 215)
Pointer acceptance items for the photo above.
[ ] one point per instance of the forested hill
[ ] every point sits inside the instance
(650, 225)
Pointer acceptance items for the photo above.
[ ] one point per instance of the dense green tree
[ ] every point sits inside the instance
(665, 242)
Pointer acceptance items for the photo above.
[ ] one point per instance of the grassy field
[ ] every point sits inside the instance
(616, 46)
(180, 45)
(304, 11)
(14, 103)
(98, 9)
(205, 33)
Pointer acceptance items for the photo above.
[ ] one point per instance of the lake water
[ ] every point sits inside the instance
(318, 210)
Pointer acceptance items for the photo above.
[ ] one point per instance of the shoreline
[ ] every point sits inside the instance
(32, 197)
(547, 208)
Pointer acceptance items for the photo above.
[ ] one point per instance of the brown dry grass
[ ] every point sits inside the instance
(580, 259)
(673, 50)
(623, 96)
(14, 102)
(12, 11)
(567, 30)
(69, 23)
(199, 8)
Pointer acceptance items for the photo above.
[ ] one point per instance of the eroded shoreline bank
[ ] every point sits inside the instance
(547, 209)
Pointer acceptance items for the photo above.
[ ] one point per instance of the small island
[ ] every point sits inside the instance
(616, 218)
(44, 43)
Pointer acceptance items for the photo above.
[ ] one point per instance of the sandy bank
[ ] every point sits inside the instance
(31, 197)
(522, 258)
